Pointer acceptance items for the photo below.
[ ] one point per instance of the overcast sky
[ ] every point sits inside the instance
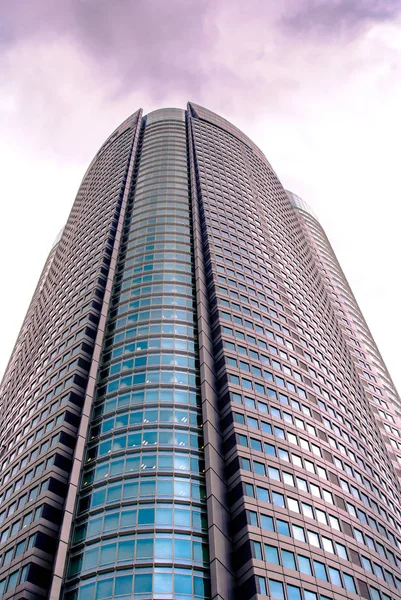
(316, 84)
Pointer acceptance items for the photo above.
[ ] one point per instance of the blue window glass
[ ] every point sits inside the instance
(269, 449)
(276, 590)
(283, 527)
(293, 593)
(335, 577)
(252, 518)
(288, 559)
(274, 473)
(164, 548)
(304, 564)
(262, 585)
(123, 585)
(349, 583)
(259, 468)
(104, 589)
(271, 554)
(182, 584)
(320, 570)
(257, 550)
(278, 499)
(249, 491)
(262, 494)
(143, 583)
(266, 523)
(162, 583)
(144, 548)
(245, 464)
(126, 550)
(256, 445)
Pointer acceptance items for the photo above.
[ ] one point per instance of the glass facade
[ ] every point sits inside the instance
(195, 408)
(142, 498)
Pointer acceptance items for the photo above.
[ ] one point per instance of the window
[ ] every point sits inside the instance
(278, 499)
(349, 583)
(262, 494)
(320, 570)
(283, 528)
(313, 539)
(341, 551)
(276, 590)
(299, 533)
(257, 550)
(271, 554)
(293, 593)
(335, 576)
(266, 522)
(304, 564)
(288, 559)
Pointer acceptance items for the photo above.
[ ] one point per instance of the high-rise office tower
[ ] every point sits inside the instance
(195, 408)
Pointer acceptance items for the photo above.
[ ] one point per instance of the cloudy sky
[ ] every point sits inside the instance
(315, 83)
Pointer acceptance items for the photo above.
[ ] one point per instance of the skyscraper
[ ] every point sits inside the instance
(195, 408)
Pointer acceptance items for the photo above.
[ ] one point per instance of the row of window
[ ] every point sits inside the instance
(151, 376)
(259, 329)
(177, 548)
(164, 227)
(64, 385)
(145, 289)
(260, 388)
(157, 278)
(154, 343)
(173, 516)
(144, 487)
(180, 267)
(138, 461)
(145, 396)
(15, 578)
(150, 359)
(144, 584)
(171, 245)
(183, 255)
(155, 315)
(182, 438)
(138, 416)
(248, 290)
(261, 358)
(285, 591)
(303, 564)
(134, 241)
(151, 329)
(127, 307)
(249, 277)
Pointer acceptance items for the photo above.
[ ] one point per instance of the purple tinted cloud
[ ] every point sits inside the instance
(227, 55)
(166, 41)
(332, 18)
(149, 41)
